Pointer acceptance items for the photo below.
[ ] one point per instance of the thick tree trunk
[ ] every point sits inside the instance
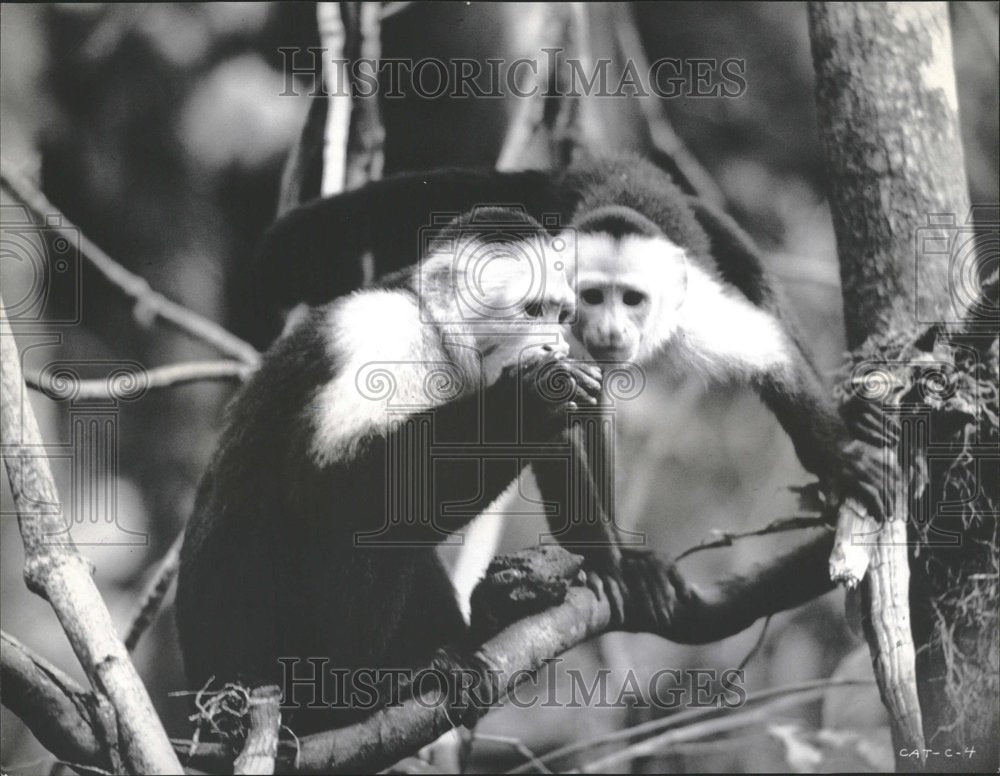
(889, 125)
(888, 112)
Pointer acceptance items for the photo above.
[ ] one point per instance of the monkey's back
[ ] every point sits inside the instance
(269, 567)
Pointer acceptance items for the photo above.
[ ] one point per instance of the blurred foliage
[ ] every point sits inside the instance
(159, 130)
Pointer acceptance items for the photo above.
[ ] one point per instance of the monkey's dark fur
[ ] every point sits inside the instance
(270, 568)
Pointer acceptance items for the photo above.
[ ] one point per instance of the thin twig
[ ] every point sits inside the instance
(333, 39)
(726, 538)
(129, 385)
(54, 570)
(149, 303)
(662, 135)
(710, 727)
(684, 717)
(757, 644)
(56, 709)
(514, 743)
(154, 594)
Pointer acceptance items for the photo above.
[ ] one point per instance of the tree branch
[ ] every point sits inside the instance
(662, 135)
(57, 710)
(696, 616)
(149, 303)
(364, 156)
(154, 593)
(704, 614)
(61, 385)
(333, 39)
(710, 727)
(54, 570)
(805, 690)
(530, 112)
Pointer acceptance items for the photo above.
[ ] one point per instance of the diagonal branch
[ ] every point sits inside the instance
(696, 615)
(55, 708)
(154, 593)
(150, 304)
(802, 692)
(59, 385)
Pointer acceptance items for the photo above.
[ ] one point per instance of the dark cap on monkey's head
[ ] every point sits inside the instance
(618, 221)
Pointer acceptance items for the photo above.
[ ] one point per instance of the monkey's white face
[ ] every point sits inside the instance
(509, 293)
(525, 301)
(629, 290)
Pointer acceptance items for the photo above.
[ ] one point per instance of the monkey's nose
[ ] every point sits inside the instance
(614, 337)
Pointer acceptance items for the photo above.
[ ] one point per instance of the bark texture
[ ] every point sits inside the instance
(888, 114)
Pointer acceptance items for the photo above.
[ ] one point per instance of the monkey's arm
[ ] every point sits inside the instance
(465, 452)
(577, 490)
(821, 439)
(790, 386)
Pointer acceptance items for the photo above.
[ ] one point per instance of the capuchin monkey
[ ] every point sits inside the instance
(271, 566)
(659, 274)
(312, 542)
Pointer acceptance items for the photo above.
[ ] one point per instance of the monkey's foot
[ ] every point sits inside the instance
(521, 584)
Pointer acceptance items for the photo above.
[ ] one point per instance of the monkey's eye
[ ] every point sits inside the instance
(633, 298)
(533, 309)
(593, 296)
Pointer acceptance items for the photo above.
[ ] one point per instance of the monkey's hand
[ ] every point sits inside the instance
(867, 474)
(552, 384)
(638, 587)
